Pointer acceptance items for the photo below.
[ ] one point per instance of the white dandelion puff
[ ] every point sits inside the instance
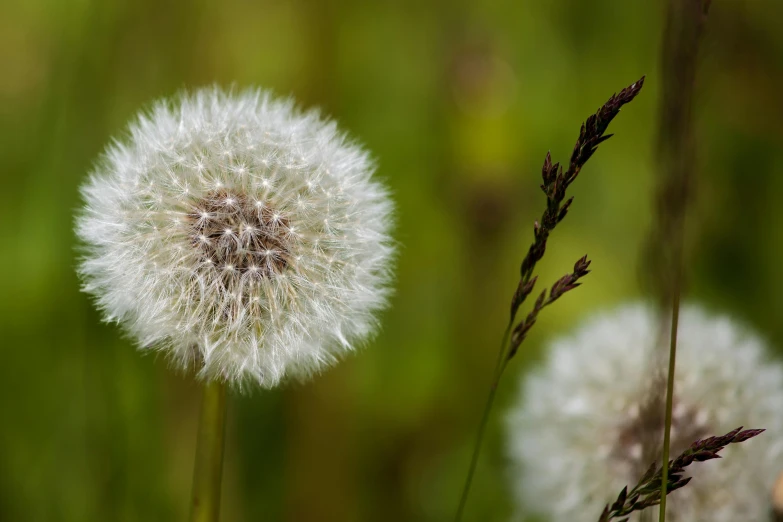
(238, 236)
(579, 432)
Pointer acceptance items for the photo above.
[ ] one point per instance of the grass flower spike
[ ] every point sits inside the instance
(239, 236)
(588, 423)
(556, 180)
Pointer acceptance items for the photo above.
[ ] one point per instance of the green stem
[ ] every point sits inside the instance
(685, 21)
(670, 393)
(208, 468)
(500, 365)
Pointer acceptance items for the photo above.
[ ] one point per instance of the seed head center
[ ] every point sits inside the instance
(234, 232)
(640, 437)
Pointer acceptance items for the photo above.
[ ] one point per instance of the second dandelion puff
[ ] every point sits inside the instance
(588, 424)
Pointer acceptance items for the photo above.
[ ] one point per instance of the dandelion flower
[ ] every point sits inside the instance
(587, 423)
(238, 236)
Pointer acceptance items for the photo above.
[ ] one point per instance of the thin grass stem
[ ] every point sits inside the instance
(670, 376)
(685, 21)
(500, 365)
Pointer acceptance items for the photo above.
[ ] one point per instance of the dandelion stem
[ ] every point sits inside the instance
(208, 468)
(499, 367)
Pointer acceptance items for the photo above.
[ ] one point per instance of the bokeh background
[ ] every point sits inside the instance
(459, 101)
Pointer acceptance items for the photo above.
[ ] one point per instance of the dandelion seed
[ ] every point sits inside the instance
(240, 330)
(594, 392)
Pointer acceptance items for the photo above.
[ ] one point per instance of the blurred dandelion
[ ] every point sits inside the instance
(242, 238)
(586, 419)
(239, 236)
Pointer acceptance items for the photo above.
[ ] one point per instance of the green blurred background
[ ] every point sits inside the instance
(459, 102)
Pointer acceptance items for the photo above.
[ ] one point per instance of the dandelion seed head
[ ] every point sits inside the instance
(586, 419)
(205, 237)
